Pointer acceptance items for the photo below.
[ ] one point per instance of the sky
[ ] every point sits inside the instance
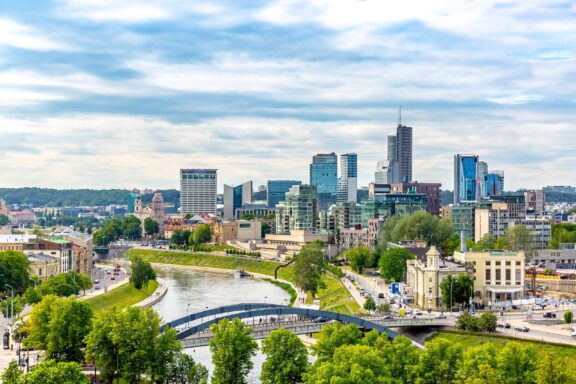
(122, 94)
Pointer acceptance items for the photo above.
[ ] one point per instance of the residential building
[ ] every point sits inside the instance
(516, 206)
(490, 218)
(375, 191)
(348, 181)
(541, 230)
(556, 258)
(300, 211)
(56, 247)
(82, 248)
(425, 277)
(498, 275)
(535, 201)
(15, 242)
(431, 190)
(324, 175)
(353, 237)
(198, 191)
(256, 210)
(466, 188)
(346, 215)
(277, 190)
(236, 197)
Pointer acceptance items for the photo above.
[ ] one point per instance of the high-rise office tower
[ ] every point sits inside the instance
(493, 183)
(236, 197)
(482, 172)
(348, 181)
(404, 152)
(466, 186)
(198, 191)
(277, 190)
(300, 210)
(324, 175)
(386, 172)
(392, 152)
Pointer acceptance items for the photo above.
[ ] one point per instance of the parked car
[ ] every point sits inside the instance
(440, 316)
(380, 295)
(503, 325)
(97, 281)
(549, 315)
(388, 317)
(573, 334)
(522, 329)
(97, 287)
(418, 313)
(362, 291)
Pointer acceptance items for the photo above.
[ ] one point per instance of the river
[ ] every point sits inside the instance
(192, 291)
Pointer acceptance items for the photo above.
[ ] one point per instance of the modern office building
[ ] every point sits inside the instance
(392, 148)
(254, 209)
(535, 201)
(493, 183)
(466, 188)
(431, 190)
(324, 175)
(236, 197)
(277, 190)
(387, 172)
(348, 181)
(482, 172)
(516, 206)
(404, 152)
(198, 191)
(299, 212)
(462, 218)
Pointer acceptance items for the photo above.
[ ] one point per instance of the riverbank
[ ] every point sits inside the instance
(122, 296)
(334, 297)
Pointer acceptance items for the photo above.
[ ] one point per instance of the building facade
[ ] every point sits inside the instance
(299, 212)
(535, 201)
(493, 183)
(236, 197)
(348, 181)
(198, 191)
(431, 190)
(277, 191)
(404, 152)
(324, 175)
(56, 247)
(466, 188)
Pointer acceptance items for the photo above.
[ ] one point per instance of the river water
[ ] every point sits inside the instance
(192, 291)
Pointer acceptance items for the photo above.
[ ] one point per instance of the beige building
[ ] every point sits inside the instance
(249, 230)
(222, 232)
(155, 211)
(14, 242)
(492, 219)
(43, 266)
(498, 275)
(425, 277)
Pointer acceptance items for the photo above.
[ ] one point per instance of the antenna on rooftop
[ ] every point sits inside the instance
(400, 116)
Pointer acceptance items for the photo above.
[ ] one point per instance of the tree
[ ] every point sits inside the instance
(479, 365)
(51, 372)
(384, 309)
(142, 272)
(333, 336)
(369, 304)
(358, 258)
(32, 296)
(151, 227)
(488, 321)
(286, 358)
(12, 374)
(457, 290)
(487, 241)
(568, 317)
(467, 322)
(38, 323)
(519, 238)
(202, 234)
(184, 370)
(418, 226)
(393, 263)
(14, 270)
(266, 229)
(4, 220)
(65, 284)
(517, 363)
(309, 267)
(552, 371)
(181, 237)
(232, 350)
(439, 362)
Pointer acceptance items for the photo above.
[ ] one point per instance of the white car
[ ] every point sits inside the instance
(573, 334)
(440, 316)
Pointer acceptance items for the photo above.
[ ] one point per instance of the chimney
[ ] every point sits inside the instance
(462, 241)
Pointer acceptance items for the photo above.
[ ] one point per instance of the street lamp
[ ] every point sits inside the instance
(12, 304)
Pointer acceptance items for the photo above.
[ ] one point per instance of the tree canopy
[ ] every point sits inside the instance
(151, 227)
(461, 288)
(286, 358)
(142, 272)
(393, 263)
(309, 268)
(115, 228)
(202, 234)
(4, 220)
(359, 258)
(14, 270)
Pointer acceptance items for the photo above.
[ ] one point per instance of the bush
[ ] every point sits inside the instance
(335, 271)
(487, 321)
(467, 322)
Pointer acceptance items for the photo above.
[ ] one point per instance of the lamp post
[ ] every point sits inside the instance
(11, 304)
(451, 280)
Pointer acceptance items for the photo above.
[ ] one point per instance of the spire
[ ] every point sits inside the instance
(400, 116)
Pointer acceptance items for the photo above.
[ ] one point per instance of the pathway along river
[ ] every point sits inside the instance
(192, 291)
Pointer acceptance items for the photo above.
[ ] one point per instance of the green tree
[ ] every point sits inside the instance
(488, 321)
(181, 237)
(519, 238)
(151, 227)
(32, 296)
(12, 374)
(4, 220)
(37, 325)
(184, 370)
(64, 284)
(51, 372)
(142, 272)
(309, 267)
(286, 358)
(232, 350)
(568, 317)
(439, 362)
(418, 226)
(359, 258)
(333, 336)
(393, 263)
(457, 290)
(202, 234)
(266, 229)
(14, 270)
(487, 241)
(369, 304)
(384, 309)
(467, 322)
(517, 363)
(479, 365)
(552, 370)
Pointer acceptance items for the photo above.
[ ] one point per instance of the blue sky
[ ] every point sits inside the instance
(102, 93)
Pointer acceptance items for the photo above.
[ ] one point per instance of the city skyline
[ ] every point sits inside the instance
(97, 95)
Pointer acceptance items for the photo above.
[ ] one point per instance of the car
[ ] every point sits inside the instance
(573, 334)
(418, 313)
(380, 295)
(97, 287)
(522, 329)
(440, 316)
(362, 291)
(392, 301)
(388, 317)
(108, 272)
(549, 315)
(503, 325)
(515, 307)
(112, 278)
(97, 281)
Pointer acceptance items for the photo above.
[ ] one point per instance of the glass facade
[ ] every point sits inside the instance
(348, 182)
(466, 181)
(324, 175)
(493, 184)
(277, 190)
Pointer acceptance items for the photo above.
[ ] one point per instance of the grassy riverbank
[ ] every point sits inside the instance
(472, 339)
(334, 297)
(122, 296)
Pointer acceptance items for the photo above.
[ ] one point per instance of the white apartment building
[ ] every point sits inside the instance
(198, 191)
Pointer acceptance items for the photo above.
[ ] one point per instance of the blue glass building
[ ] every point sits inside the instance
(277, 190)
(494, 183)
(466, 182)
(324, 175)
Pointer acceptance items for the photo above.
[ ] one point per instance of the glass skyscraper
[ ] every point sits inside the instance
(324, 175)
(277, 190)
(348, 182)
(466, 182)
(493, 183)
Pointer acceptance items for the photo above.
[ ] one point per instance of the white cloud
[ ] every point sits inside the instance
(24, 36)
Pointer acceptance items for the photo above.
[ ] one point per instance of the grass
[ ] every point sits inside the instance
(335, 297)
(122, 296)
(472, 339)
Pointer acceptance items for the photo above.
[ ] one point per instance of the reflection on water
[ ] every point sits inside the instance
(193, 291)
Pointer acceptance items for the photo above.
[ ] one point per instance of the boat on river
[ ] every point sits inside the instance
(241, 273)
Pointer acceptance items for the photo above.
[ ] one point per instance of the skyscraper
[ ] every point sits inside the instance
(348, 181)
(386, 172)
(299, 212)
(198, 191)
(482, 172)
(466, 186)
(324, 175)
(392, 152)
(236, 197)
(493, 183)
(277, 190)
(404, 152)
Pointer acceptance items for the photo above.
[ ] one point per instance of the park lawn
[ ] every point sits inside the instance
(335, 297)
(472, 339)
(122, 297)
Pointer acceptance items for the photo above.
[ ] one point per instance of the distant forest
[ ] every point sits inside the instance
(47, 197)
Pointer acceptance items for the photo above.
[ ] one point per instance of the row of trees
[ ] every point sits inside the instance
(200, 235)
(128, 227)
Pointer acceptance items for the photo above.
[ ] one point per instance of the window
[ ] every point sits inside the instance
(487, 263)
(508, 263)
(497, 263)
(488, 276)
(518, 276)
(498, 275)
(518, 263)
(508, 275)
